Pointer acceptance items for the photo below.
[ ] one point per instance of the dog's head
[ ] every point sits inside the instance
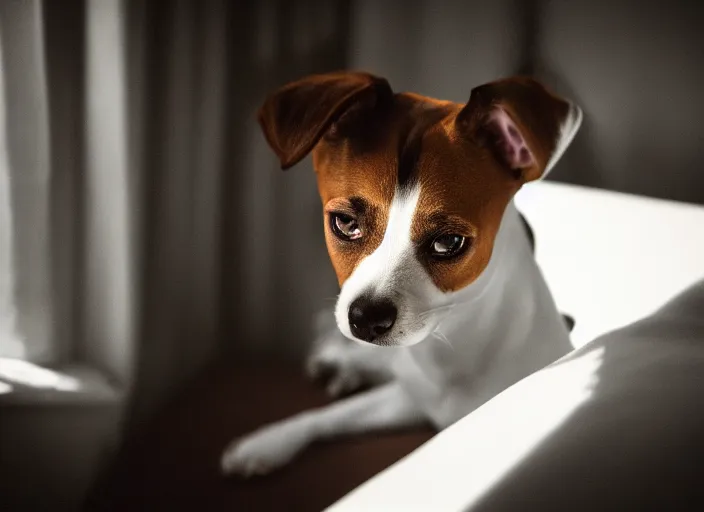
(413, 188)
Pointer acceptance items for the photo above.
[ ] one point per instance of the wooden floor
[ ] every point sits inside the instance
(173, 464)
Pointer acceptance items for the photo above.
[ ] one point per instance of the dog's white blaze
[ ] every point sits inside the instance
(392, 269)
(396, 246)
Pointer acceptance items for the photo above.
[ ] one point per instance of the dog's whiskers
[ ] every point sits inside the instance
(439, 335)
(424, 314)
(447, 307)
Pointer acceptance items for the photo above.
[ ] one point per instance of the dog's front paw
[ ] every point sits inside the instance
(343, 381)
(263, 451)
(332, 366)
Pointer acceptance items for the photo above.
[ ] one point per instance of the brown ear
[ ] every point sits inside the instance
(296, 116)
(526, 125)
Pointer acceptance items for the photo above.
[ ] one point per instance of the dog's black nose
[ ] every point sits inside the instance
(369, 319)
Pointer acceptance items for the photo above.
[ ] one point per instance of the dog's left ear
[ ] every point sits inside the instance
(527, 127)
(296, 116)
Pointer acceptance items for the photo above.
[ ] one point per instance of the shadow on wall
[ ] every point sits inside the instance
(636, 69)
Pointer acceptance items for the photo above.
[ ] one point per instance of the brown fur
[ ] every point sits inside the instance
(363, 138)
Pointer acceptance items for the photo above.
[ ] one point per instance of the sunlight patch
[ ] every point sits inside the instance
(27, 374)
(5, 388)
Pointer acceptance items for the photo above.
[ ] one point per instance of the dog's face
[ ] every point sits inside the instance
(413, 189)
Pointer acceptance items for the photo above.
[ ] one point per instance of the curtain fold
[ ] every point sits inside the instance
(231, 258)
(26, 308)
(10, 342)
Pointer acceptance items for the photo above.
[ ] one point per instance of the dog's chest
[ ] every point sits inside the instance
(438, 378)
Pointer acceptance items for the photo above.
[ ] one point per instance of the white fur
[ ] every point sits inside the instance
(568, 130)
(478, 341)
(393, 271)
(352, 364)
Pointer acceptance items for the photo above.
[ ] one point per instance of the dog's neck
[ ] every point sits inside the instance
(506, 316)
(480, 304)
(509, 246)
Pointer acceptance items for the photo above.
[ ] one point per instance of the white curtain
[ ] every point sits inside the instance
(10, 343)
(26, 312)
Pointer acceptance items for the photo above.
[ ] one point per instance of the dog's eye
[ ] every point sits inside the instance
(447, 246)
(345, 226)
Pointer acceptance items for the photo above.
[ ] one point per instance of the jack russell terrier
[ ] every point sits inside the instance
(441, 296)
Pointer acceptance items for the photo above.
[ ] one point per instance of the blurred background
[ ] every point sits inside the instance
(146, 229)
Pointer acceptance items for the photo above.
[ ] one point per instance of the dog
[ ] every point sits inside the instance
(442, 305)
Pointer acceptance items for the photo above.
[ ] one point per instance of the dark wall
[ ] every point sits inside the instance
(636, 68)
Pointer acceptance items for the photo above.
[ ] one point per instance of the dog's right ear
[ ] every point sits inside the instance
(295, 117)
(527, 126)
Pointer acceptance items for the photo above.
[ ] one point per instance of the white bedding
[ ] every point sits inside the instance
(616, 425)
